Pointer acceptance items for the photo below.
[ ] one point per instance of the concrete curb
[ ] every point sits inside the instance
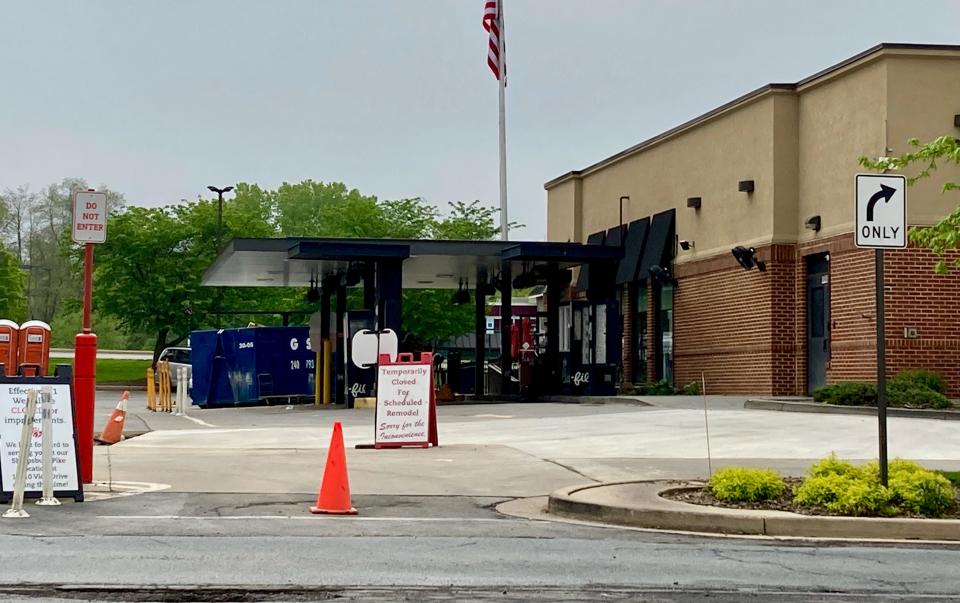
(639, 504)
(121, 388)
(816, 407)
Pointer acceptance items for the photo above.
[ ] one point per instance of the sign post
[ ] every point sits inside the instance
(89, 229)
(881, 223)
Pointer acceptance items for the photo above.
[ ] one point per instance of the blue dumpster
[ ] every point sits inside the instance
(251, 365)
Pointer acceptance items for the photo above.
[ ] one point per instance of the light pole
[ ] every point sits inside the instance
(219, 192)
(622, 199)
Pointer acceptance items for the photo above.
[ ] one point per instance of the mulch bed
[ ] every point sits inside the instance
(703, 496)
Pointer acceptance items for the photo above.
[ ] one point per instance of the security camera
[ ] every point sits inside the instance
(686, 245)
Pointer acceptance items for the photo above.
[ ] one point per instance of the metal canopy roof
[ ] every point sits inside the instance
(427, 264)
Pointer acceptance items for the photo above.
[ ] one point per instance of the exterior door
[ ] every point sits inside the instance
(818, 321)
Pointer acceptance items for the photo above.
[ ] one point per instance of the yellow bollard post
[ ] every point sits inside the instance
(165, 402)
(161, 396)
(318, 378)
(151, 391)
(169, 387)
(327, 369)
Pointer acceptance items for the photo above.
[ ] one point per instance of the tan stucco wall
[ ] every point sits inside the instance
(705, 162)
(800, 147)
(839, 121)
(786, 193)
(924, 95)
(564, 212)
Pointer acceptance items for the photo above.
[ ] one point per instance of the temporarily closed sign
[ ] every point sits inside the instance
(89, 217)
(13, 403)
(403, 404)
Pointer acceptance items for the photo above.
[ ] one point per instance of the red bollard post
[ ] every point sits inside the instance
(85, 391)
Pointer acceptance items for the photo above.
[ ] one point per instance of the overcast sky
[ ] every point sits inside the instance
(158, 99)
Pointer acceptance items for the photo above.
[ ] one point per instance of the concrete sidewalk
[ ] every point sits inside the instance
(515, 449)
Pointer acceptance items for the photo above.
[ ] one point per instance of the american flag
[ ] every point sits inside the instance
(492, 23)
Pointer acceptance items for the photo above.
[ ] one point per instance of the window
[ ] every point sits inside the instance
(586, 331)
(640, 332)
(564, 326)
(665, 325)
(601, 344)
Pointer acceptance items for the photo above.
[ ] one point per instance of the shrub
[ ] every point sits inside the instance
(914, 395)
(843, 488)
(847, 394)
(929, 379)
(660, 388)
(845, 494)
(919, 490)
(953, 476)
(740, 484)
(692, 389)
(834, 466)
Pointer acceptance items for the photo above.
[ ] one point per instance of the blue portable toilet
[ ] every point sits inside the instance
(251, 365)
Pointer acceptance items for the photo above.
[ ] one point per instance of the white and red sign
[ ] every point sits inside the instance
(406, 410)
(89, 217)
(66, 469)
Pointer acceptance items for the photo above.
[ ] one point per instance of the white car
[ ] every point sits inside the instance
(178, 358)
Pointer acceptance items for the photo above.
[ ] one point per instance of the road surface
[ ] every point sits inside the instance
(441, 548)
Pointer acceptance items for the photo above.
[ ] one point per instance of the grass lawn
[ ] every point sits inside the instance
(122, 371)
(953, 476)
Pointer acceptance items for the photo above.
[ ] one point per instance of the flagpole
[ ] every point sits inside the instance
(503, 123)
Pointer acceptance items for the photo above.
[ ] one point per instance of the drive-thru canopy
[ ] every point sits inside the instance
(384, 267)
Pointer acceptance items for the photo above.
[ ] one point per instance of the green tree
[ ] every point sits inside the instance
(468, 221)
(429, 314)
(13, 299)
(945, 235)
(149, 272)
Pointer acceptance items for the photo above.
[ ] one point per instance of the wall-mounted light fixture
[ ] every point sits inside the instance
(956, 121)
(662, 275)
(747, 258)
(686, 245)
(693, 202)
(745, 186)
(812, 223)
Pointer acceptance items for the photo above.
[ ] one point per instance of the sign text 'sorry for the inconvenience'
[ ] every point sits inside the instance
(403, 404)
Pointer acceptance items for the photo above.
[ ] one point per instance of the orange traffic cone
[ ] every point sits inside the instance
(113, 430)
(334, 495)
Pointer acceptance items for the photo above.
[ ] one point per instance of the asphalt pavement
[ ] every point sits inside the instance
(168, 540)
(214, 506)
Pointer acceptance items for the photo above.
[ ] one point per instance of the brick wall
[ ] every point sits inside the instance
(787, 376)
(930, 303)
(628, 337)
(746, 330)
(723, 326)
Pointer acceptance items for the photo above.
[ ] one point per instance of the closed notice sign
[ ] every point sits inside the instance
(13, 402)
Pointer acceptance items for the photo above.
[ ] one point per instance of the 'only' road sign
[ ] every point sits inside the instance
(881, 211)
